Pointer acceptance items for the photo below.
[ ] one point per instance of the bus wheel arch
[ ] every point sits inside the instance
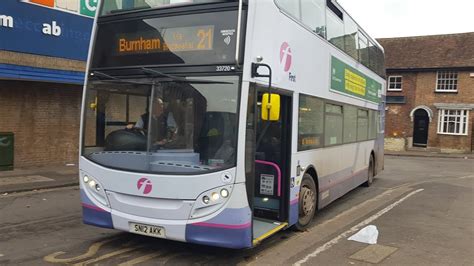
(312, 172)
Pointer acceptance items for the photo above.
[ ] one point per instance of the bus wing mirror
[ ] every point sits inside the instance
(270, 107)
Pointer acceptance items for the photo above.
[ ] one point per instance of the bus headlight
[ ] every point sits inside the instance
(224, 193)
(94, 189)
(215, 196)
(210, 201)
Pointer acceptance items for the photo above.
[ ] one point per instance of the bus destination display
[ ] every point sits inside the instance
(165, 40)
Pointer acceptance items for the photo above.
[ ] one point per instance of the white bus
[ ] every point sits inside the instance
(222, 122)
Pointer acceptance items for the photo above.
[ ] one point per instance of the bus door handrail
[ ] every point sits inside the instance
(239, 29)
(274, 165)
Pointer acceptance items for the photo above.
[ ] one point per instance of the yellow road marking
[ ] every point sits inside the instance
(257, 240)
(140, 259)
(107, 256)
(93, 249)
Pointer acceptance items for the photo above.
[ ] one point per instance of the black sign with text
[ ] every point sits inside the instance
(197, 39)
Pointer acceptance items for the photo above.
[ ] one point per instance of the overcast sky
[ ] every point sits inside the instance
(400, 18)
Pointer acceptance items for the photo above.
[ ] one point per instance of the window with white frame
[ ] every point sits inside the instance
(453, 122)
(447, 81)
(395, 83)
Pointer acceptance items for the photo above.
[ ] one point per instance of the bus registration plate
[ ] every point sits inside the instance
(147, 230)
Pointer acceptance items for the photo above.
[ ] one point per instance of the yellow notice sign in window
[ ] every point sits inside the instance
(355, 83)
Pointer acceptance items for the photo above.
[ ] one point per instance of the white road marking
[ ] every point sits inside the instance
(355, 228)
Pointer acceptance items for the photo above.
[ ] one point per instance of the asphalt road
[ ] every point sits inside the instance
(422, 208)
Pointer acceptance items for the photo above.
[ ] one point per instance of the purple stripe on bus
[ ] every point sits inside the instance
(93, 207)
(278, 173)
(226, 226)
(294, 201)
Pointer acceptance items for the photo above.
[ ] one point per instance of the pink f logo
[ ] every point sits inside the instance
(144, 185)
(285, 56)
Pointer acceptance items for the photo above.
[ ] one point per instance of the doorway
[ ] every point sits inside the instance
(271, 169)
(420, 128)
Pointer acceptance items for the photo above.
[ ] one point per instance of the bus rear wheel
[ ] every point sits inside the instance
(307, 202)
(370, 173)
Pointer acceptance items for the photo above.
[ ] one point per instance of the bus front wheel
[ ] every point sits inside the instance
(307, 202)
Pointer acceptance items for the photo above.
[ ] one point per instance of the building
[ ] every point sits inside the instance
(43, 49)
(430, 92)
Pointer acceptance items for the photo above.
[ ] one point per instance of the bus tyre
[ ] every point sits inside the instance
(370, 173)
(307, 202)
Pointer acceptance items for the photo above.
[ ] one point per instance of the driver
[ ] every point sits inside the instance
(163, 124)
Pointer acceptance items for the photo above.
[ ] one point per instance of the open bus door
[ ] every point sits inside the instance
(269, 183)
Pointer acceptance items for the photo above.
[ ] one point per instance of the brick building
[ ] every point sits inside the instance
(430, 92)
(43, 49)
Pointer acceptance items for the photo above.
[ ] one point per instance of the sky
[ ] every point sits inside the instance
(401, 18)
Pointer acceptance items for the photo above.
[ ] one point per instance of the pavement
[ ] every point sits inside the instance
(430, 154)
(36, 178)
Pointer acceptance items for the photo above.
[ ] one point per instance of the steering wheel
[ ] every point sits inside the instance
(138, 130)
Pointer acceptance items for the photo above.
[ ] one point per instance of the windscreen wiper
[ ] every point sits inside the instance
(180, 79)
(110, 78)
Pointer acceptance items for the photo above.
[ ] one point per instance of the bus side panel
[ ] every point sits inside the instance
(294, 202)
(94, 215)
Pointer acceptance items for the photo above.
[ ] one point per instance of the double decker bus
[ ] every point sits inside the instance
(222, 122)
